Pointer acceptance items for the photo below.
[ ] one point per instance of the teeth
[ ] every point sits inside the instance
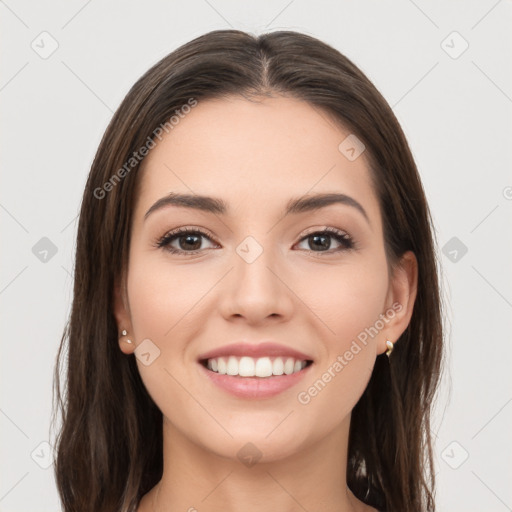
(251, 367)
(232, 367)
(246, 367)
(289, 366)
(278, 366)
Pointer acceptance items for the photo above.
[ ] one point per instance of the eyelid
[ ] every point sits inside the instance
(330, 229)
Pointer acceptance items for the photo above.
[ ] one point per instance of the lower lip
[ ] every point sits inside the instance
(255, 387)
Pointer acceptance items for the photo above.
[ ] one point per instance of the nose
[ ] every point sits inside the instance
(256, 288)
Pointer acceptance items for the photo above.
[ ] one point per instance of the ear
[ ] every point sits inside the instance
(400, 300)
(123, 317)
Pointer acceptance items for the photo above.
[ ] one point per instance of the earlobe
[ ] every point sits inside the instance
(401, 299)
(122, 315)
(125, 343)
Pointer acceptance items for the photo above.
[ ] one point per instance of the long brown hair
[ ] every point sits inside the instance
(109, 449)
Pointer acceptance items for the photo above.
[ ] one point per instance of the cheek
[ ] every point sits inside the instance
(163, 297)
(348, 303)
(335, 389)
(167, 303)
(164, 302)
(347, 300)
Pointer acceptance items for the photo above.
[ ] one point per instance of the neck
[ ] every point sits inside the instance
(195, 478)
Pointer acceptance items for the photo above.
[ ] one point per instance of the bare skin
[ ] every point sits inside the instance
(256, 156)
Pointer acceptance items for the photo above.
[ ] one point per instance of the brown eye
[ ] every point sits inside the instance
(189, 241)
(321, 241)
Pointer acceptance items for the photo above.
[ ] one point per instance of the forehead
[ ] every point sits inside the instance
(254, 152)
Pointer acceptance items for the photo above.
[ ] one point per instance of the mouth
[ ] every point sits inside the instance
(260, 368)
(255, 371)
(254, 379)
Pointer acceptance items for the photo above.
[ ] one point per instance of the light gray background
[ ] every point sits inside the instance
(455, 110)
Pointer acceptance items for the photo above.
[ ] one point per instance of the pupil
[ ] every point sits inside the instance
(324, 237)
(189, 237)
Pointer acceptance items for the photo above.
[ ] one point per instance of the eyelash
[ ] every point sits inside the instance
(342, 237)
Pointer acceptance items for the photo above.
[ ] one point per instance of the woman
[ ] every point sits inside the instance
(256, 319)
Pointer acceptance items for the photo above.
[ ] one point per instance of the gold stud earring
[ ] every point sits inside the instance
(390, 346)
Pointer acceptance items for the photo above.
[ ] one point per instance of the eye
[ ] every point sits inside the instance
(187, 239)
(321, 240)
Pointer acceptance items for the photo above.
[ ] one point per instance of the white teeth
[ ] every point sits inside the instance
(289, 365)
(251, 367)
(278, 366)
(263, 367)
(232, 368)
(221, 365)
(246, 367)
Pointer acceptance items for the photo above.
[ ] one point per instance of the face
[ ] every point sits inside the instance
(256, 273)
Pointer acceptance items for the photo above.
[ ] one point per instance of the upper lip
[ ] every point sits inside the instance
(262, 349)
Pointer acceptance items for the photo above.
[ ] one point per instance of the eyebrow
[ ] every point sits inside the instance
(218, 206)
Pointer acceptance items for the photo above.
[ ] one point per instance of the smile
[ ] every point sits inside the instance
(255, 367)
(229, 374)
